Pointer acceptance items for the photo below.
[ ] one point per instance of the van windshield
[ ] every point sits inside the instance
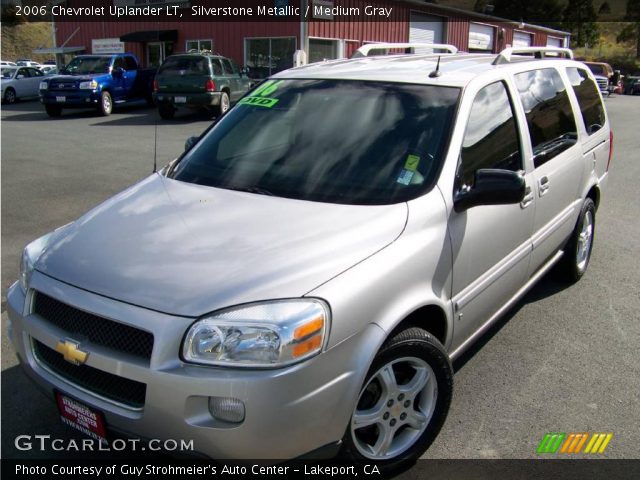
(351, 142)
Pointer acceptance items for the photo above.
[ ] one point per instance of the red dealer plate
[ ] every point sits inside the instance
(81, 417)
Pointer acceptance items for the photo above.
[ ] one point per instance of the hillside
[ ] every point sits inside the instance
(20, 40)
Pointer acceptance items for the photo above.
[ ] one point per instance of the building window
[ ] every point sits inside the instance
(199, 45)
(266, 56)
(323, 49)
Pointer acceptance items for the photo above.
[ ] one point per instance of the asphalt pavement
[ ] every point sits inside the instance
(565, 359)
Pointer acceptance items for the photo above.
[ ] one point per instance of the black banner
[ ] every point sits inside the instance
(586, 469)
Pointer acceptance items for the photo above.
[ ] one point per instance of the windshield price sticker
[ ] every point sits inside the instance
(260, 97)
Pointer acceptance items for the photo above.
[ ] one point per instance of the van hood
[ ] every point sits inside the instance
(187, 249)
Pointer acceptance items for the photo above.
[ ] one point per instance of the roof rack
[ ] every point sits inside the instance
(364, 50)
(505, 56)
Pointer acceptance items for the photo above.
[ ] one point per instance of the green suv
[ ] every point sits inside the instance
(198, 80)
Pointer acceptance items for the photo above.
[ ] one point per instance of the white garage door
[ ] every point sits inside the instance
(481, 37)
(554, 42)
(426, 29)
(521, 39)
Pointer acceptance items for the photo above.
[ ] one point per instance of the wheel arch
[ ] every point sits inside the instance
(431, 318)
(594, 194)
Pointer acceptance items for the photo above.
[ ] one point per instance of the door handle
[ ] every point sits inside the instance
(528, 198)
(543, 185)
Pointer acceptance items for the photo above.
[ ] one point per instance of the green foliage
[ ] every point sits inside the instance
(631, 32)
(580, 18)
(542, 12)
(9, 17)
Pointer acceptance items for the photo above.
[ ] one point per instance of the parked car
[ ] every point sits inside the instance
(632, 84)
(97, 81)
(5, 63)
(603, 73)
(49, 69)
(20, 82)
(302, 277)
(198, 80)
(27, 63)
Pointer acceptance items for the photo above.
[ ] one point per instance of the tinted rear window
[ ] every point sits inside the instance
(185, 66)
(590, 104)
(328, 141)
(550, 119)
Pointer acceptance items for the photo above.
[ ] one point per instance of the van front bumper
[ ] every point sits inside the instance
(289, 411)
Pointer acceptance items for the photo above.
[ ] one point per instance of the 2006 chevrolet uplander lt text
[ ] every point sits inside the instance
(301, 278)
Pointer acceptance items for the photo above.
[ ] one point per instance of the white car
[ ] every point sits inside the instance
(20, 82)
(27, 63)
(5, 63)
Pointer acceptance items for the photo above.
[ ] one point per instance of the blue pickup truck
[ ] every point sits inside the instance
(97, 81)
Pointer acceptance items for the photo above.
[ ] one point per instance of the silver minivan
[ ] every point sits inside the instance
(301, 278)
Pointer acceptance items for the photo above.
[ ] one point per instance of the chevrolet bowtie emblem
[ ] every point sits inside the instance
(71, 352)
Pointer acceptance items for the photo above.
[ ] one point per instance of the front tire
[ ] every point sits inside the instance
(577, 252)
(403, 403)
(10, 96)
(106, 104)
(53, 110)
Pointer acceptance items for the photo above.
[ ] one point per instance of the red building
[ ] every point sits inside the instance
(269, 46)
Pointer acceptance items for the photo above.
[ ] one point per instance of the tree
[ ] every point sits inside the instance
(631, 31)
(9, 17)
(541, 12)
(580, 19)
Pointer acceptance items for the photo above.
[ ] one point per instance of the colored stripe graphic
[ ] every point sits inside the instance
(598, 442)
(572, 443)
(551, 442)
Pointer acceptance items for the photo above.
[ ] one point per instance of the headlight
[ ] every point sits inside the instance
(92, 85)
(266, 334)
(30, 256)
(44, 85)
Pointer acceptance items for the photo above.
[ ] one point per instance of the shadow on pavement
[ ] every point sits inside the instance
(548, 286)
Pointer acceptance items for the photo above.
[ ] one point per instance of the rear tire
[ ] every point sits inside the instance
(403, 403)
(166, 112)
(225, 103)
(10, 96)
(53, 110)
(106, 104)
(577, 252)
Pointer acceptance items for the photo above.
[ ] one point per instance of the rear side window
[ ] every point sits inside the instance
(588, 98)
(184, 66)
(491, 137)
(550, 119)
(226, 65)
(217, 68)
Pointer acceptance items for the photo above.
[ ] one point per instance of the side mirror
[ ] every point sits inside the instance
(491, 187)
(18, 77)
(191, 141)
(117, 72)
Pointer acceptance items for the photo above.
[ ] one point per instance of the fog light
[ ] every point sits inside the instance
(227, 409)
